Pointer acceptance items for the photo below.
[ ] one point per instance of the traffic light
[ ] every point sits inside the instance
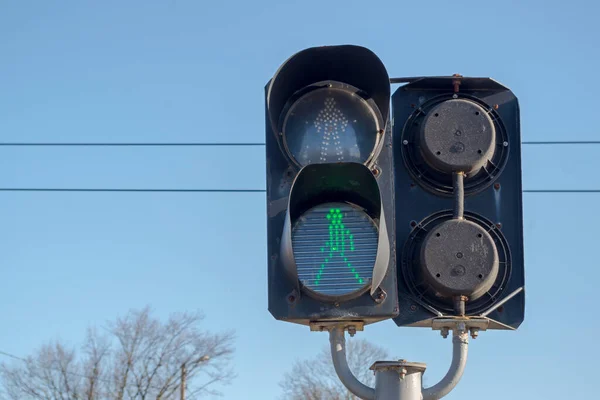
(459, 222)
(330, 214)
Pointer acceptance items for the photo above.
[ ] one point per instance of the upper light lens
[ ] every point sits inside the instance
(330, 125)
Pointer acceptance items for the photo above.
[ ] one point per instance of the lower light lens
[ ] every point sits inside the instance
(335, 246)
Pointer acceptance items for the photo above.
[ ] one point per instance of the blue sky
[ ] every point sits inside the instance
(143, 71)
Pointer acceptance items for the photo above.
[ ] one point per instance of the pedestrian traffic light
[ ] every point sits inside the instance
(330, 215)
(459, 223)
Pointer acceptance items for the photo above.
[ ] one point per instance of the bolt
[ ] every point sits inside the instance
(499, 225)
(455, 96)
(280, 133)
(505, 144)
(444, 332)
(402, 373)
(405, 142)
(459, 255)
(336, 304)
(291, 298)
(497, 186)
(456, 82)
(496, 106)
(474, 333)
(413, 307)
(352, 331)
(458, 133)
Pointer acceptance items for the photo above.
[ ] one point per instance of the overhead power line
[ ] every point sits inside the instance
(228, 190)
(562, 142)
(241, 144)
(53, 368)
(68, 372)
(12, 356)
(132, 190)
(106, 144)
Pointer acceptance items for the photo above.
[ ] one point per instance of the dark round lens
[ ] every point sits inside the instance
(330, 125)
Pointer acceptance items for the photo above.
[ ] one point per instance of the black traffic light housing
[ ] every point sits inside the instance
(459, 222)
(302, 186)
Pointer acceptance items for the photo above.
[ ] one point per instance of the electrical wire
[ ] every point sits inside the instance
(107, 144)
(230, 190)
(562, 142)
(561, 191)
(12, 356)
(133, 190)
(99, 379)
(54, 368)
(207, 144)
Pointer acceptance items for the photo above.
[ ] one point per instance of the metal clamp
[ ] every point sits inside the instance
(470, 324)
(324, 326)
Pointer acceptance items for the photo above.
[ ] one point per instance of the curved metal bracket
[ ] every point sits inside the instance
(340, 363)
(460, 344)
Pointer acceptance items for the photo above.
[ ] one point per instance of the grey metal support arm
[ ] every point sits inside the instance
(460, 345)
(340, 363)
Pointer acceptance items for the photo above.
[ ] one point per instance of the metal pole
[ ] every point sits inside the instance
(183, 376)
(400, 380)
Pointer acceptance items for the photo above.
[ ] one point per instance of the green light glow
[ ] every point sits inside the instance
(339, 239)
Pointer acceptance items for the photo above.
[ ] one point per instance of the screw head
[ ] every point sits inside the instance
(405, 142)
(505, 144)
(474, 333)
(402, 373)
(444, 332)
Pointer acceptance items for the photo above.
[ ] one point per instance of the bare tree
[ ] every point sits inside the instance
(315, 378)
(138, 357)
